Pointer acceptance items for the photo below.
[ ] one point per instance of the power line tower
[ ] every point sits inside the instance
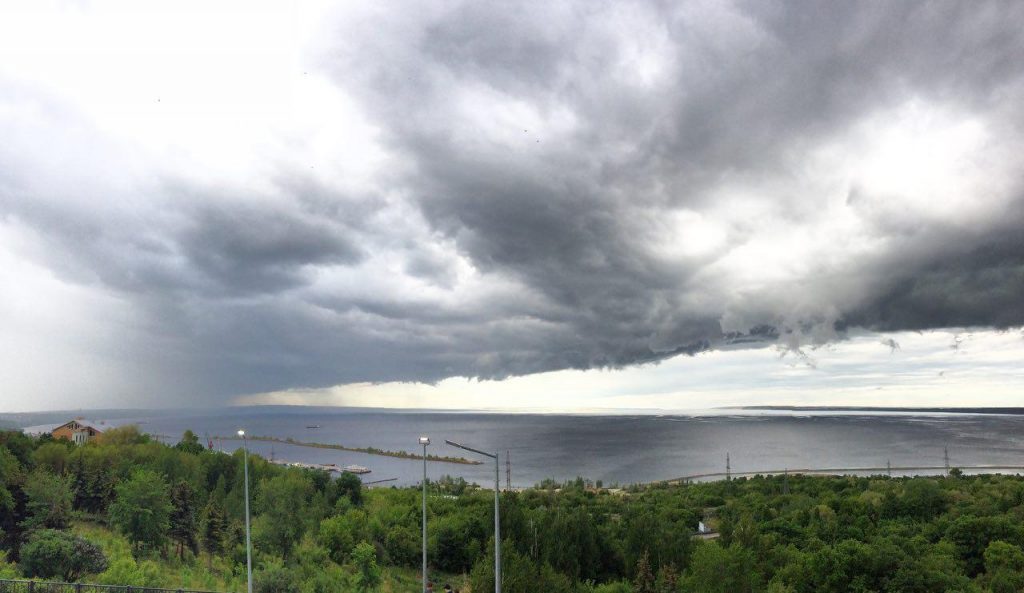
(728, 467)
(945, 451)
(508, 471)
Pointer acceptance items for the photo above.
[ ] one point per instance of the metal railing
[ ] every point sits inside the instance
(29, 586)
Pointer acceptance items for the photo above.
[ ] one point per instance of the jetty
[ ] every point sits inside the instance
(327, 467)
(367, 450)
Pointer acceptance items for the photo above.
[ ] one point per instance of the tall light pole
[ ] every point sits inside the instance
(424, 441)
(497, 517)
(248, 535)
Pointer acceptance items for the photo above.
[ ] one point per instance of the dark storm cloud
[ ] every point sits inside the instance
(202, 241)
(546, 163)
(251, 249)
(747, 92)
(982, 288)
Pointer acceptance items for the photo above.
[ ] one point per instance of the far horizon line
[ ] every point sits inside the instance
(590, 411)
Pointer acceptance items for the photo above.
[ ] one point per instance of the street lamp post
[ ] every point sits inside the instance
(248, 536)
(497, 518)
(424, 441)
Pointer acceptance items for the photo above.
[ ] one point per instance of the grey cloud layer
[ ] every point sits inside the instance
(745, 95)
(545, 150)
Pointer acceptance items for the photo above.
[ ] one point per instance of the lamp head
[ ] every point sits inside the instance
(241, 433)
(424, 441)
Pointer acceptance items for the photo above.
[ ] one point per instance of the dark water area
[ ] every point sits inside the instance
(614, 449)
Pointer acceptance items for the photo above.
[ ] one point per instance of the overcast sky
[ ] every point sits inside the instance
(550, 205)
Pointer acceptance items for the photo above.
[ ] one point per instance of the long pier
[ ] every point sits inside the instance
(367, 450)
(835, 471)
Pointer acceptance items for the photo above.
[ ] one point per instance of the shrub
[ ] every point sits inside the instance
(275, 578)
(56, 554)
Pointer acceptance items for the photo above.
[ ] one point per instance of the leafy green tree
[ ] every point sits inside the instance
(92, 478)
(49, 501)
(368, 576)
(663, 534)
(972, 536)
(402, 544)
(128, 434)
(12, 505)
(79, 480)
(183, 521)
(10, 476)
(855, 564)
(53, 456)
(931, 569)
(189, 443)
(142, 509)
(18, 444)
(274, 577)
(454, 540)
(1004, 567)
(315, 569)
(519, 574)
(349, 486)
(921, 499)
(282, 502)
(451, 485)
(340, 533)
(50, 553)
(717, 569)
(574, 551)
(214, 526)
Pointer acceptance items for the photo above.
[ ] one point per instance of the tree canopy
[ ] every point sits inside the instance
(315, 534)
(143, 508)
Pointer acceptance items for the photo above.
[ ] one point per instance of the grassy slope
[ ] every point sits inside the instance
(155, 571)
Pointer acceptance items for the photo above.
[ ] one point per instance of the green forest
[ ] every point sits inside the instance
(127, 510)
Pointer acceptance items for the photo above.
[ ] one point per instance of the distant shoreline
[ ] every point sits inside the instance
(117, 417)
(1007, 411)
(834, 471)
(367, 450)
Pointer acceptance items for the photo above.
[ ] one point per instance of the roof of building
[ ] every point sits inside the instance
(48, 428)
(86, 424)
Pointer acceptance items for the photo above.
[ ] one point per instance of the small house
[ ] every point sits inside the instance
(78, 431)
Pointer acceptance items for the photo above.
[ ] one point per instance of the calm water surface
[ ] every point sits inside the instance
(617, 449)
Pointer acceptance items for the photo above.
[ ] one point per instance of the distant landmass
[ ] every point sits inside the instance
(1009, 411)
(55, 416)
(22, 419)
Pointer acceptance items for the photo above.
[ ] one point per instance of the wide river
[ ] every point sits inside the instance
(614, 449)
